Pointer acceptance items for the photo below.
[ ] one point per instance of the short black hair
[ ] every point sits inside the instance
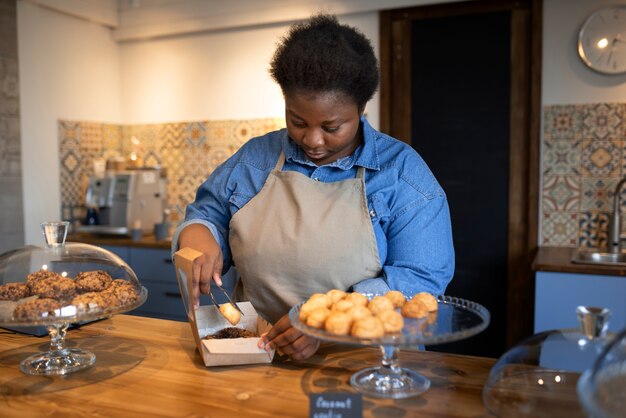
(322, 55)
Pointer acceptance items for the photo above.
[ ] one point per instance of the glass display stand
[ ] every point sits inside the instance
(454, 320)
(68, 260)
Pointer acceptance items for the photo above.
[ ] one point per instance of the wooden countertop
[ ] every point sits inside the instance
(558, 259)
(150, 368)
(146, 241)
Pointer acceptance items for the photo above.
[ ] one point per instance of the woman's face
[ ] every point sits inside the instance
(324, 124)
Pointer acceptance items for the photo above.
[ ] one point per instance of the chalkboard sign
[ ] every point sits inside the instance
(335, 405)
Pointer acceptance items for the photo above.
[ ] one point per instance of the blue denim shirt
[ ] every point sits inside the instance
(408, 208)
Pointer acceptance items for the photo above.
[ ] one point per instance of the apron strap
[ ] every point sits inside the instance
(280, 162)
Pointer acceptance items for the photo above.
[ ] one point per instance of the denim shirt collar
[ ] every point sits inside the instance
(366, 154)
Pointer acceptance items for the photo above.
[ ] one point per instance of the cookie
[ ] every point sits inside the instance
(36, 308)
(34, 277)
(14, 291)
(92, 281)
(60, 288)
(121, 292)
(89, 302)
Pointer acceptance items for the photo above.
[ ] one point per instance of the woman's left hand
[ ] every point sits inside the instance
(289, 340)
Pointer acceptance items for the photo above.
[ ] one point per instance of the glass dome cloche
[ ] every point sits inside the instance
(51, 287)
(602, 387)
(538, 377)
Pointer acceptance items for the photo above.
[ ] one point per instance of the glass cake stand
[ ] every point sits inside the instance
(455, 319)
(66, 260)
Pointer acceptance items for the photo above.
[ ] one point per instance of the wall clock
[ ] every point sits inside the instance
(602, 40)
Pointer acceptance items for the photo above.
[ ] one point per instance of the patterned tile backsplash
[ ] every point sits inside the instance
(583, 159)
(188, 152)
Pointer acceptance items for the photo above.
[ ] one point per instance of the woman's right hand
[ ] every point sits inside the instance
(206, 267)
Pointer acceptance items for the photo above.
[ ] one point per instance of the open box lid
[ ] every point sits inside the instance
(206, 320)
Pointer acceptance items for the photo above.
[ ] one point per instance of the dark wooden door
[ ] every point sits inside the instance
(458, 86)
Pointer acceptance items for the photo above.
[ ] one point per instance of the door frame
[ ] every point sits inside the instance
(524, 131)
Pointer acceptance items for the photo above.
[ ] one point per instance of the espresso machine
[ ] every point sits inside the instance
(125, 200)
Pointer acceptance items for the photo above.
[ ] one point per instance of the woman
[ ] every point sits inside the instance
(326, 203)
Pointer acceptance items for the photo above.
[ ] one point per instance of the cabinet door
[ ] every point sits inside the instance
(156, 272)
(558, 294)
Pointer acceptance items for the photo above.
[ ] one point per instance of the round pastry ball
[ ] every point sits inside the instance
(392, 321)
(336, 295)
(357, 298)
(317, 317)
(338, 323)
(427, 299)
(379, 304)
(321, 298)
(342, 306)
(414, 308)
(358, 312)
(368, 327)
(396, 297)
(230, 313)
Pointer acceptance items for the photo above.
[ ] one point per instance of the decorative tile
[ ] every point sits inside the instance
(593, 229)
(601, 157)
(597, 193)
(602, 121)
(561, 156)
(562, 122)
(559, 229)
(561, 193)
(195, 134)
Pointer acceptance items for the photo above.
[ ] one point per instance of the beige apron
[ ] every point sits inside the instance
(299, 236)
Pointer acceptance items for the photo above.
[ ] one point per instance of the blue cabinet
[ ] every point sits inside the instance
(558, 294)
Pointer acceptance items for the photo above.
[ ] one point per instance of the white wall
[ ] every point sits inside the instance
(68, 68)
(217, 75)
(565, 79)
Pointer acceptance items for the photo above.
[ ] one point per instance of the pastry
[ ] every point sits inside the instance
(379, 304)
(357, 298)
(36, 308)
(427, 299)
(91, 301)
(60, 288)
(230, 313)
(92, 281)
(14, 291)
(414, 308)
(338, 323)
(396, 297)
(358, 312)
(321, 298)
(342, 306)
(392, 321)
(317, 317)
(336, 295)
(230, 332)
(368, 327)
(309, 306)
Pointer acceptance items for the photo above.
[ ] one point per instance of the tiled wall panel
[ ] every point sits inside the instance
(188, 151)
(583, 159)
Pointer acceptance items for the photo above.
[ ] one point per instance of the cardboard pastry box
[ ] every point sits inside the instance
(206, 320)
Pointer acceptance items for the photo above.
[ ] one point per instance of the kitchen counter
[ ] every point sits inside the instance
(558, 259)
(146, 241)
(150, 367)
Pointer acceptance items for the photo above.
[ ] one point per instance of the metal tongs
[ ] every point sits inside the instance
(227, 297)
